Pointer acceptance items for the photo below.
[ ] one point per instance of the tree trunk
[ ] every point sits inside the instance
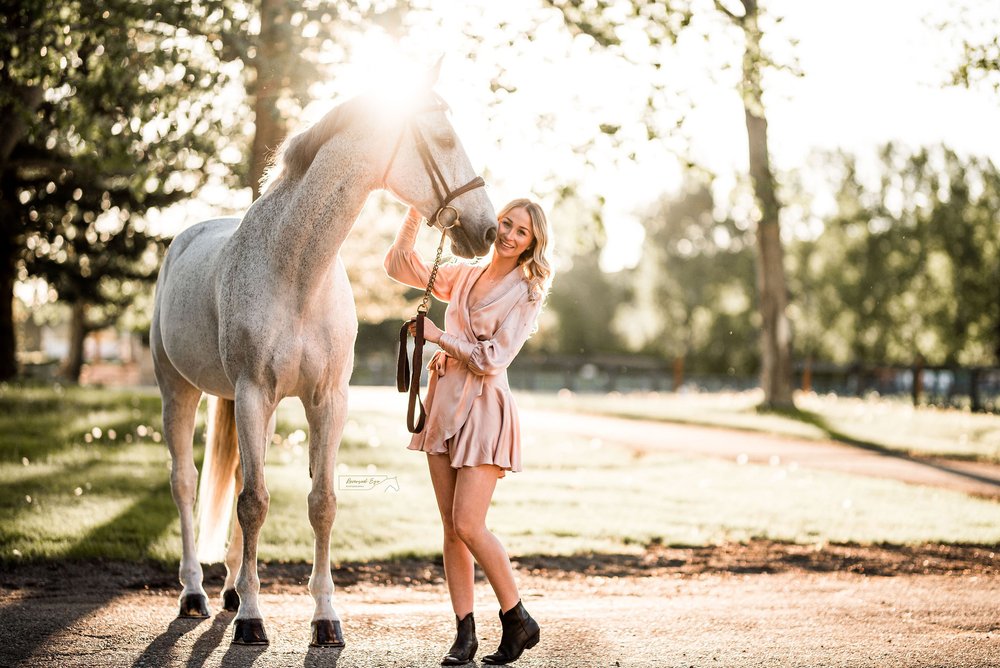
(975, 399)
(918, 379)
(269, 64)
(8, 273)
(77, 336)
(775, 335)
(996, 323)
(14, 115)
(678, 372)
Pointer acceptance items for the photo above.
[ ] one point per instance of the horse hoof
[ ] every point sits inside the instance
(230, 600)
(250, 632)
(194, 606)
(327, 633)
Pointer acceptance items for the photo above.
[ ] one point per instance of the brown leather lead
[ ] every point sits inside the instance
(407, 381)
(410, 382)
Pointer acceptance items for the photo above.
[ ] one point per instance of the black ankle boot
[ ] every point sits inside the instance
(520, 632)
(465, 645)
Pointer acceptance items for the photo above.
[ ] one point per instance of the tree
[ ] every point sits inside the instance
(976, 26)
(106, 113)
(98, 274)
(584, 301)
(287, 49)
(908, 267)
(662, 24)
(130, 107)
(694, 288)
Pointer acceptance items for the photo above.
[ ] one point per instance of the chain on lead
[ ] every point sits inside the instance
(425, 302)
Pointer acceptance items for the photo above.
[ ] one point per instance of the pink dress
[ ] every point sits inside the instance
(471, 414)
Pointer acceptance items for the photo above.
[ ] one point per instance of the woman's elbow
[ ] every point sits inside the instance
(393, 266)
(485, 367)
(480, 371)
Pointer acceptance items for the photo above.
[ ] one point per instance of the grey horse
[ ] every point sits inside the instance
(251, 311)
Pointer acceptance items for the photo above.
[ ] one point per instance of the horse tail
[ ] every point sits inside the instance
(218, 480)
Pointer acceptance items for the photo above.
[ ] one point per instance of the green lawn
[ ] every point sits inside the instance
(68, 489)
(879, 423)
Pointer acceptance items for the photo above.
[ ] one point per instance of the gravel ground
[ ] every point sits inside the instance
(763, 604)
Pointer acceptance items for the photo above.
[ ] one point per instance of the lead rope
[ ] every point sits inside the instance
(407, 381)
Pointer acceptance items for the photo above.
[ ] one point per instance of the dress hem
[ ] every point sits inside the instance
(471, 464)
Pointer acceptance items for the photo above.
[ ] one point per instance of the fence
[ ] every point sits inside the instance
(975, 388)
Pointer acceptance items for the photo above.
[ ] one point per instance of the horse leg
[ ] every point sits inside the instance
(180, 405)
(253, 410)
(326, 425)
(230, 599)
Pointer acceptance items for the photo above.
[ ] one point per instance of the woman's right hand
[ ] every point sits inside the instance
(413, 216)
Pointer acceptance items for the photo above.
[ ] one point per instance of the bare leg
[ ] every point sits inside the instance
(253, 410)
(474, 486)
(180, 405)
(326, 425)
(459, 569)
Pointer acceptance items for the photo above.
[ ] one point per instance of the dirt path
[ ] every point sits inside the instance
(758, 605)
(981, 479)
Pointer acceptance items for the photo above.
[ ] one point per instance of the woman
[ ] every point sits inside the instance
(471, 434)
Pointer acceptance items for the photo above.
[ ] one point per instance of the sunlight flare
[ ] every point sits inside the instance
(381, 69)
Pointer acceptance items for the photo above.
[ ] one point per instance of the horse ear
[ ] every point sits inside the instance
(432, 74)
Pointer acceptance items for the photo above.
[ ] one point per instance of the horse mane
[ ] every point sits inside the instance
(297, 152)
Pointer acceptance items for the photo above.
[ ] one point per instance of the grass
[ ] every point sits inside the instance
(64, 497)
(875, 423)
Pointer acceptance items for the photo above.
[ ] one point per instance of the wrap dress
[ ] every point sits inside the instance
(471, 415)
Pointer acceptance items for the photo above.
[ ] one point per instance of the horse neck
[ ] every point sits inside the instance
(308, 219)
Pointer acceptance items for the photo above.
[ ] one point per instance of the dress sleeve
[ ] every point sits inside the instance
(490, 357)
(404, 265)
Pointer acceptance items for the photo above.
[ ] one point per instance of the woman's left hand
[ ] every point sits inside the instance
(431, 331)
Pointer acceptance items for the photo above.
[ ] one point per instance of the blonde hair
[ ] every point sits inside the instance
(534, 261)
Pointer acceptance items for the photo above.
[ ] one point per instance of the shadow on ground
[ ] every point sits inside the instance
(940, 464)
(95, 581)
(758, 556)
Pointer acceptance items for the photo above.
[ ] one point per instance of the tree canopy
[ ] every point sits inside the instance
(107, 113)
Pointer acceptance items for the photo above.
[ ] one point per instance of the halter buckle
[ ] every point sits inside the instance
(457, 222)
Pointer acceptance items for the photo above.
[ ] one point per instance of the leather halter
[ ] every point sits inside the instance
(444, 196)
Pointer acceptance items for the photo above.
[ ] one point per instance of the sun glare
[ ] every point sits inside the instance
(380, 68)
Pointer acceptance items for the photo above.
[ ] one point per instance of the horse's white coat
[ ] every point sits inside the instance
(258, 309)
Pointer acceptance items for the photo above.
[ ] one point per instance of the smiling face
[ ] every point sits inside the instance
(515, 234)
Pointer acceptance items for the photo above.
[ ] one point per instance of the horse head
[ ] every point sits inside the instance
(429, 170)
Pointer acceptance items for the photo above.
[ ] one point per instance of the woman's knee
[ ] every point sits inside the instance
(467, 528)
(450, 533)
